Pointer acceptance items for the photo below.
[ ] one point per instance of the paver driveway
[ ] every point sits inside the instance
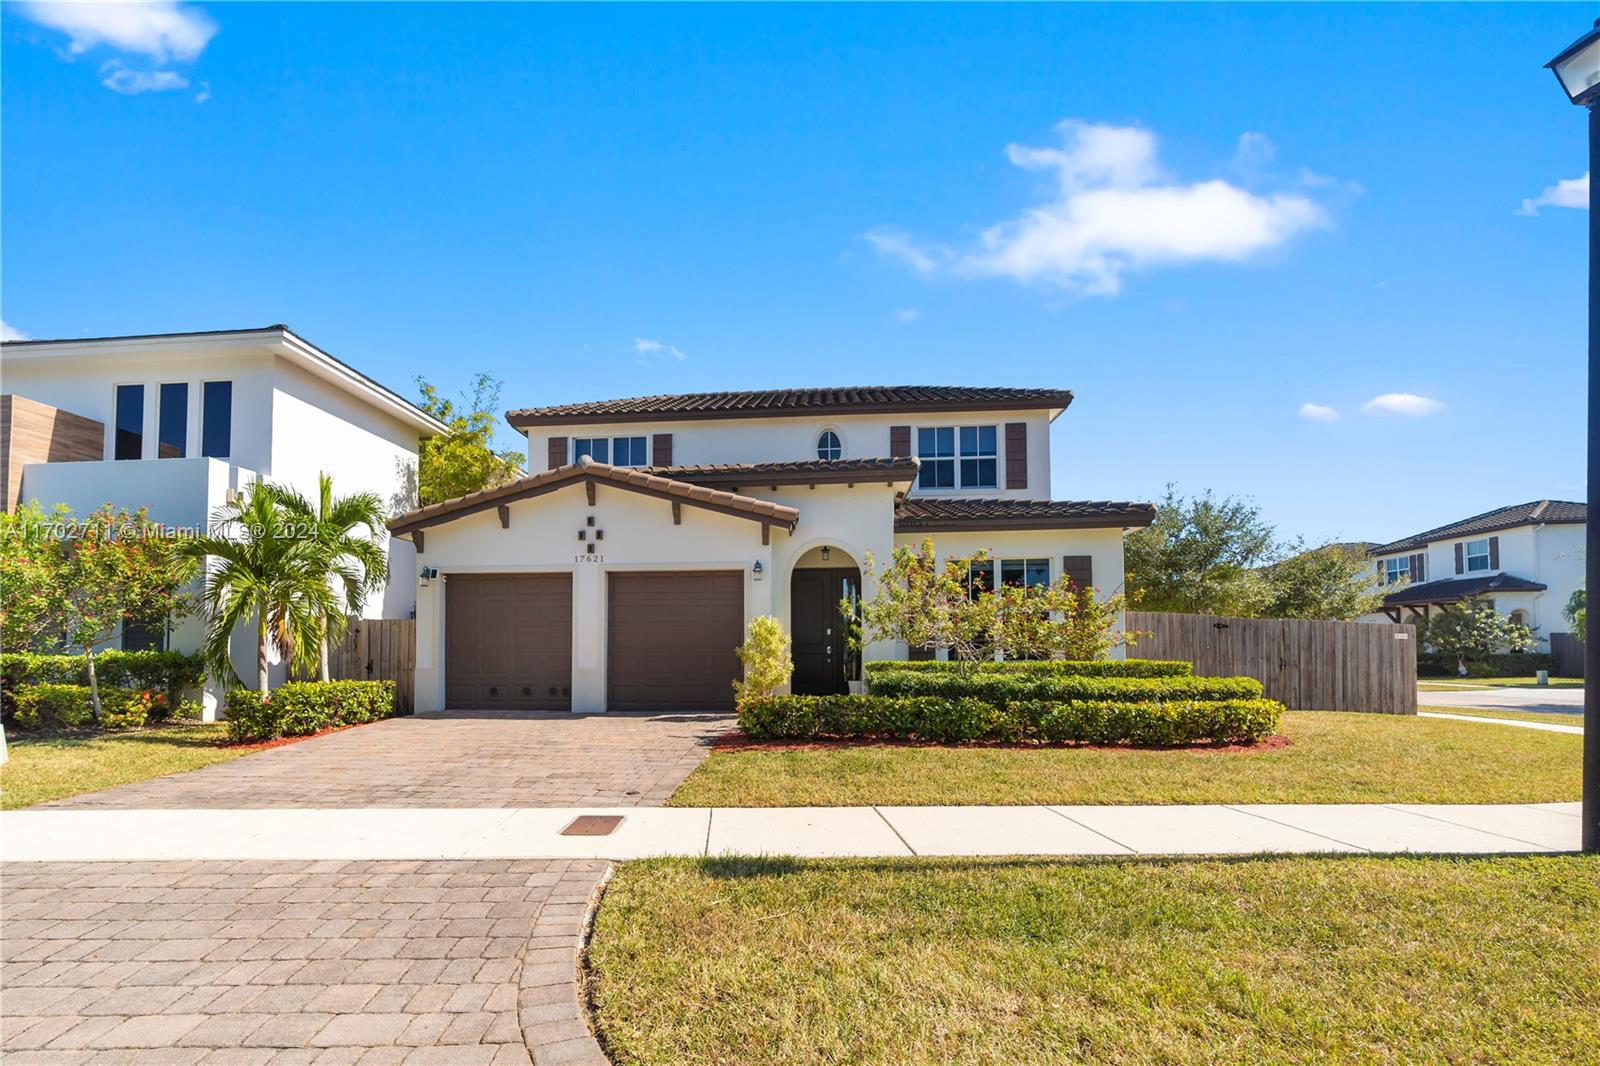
(453, 963)
(455, 759)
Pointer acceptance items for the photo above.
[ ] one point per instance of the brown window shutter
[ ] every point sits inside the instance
(1461, 560)
(1079, 569)
(661, 449)
(1494, 553)
(1417, 563)
(1016, 455)
(558, 452)
(899, 442)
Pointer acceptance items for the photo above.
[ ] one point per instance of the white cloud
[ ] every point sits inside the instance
(1114, 210)
(1569, 192)
(907, 315)
(8, 332)
(121, 79)
(1408, 404)
(653, 351)
(1316, 412)
(160, 32)
(204, 94)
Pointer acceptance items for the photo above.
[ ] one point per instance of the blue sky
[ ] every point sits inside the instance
(1201, 219)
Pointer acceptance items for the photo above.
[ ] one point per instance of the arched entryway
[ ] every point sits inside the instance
(822, 580)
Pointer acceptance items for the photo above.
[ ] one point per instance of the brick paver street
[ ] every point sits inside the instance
(456, 759)
(450, 963)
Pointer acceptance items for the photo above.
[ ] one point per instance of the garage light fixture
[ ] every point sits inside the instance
(757, 570)
(428, 574)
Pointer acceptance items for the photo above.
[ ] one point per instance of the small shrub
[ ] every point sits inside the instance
(126, 708)
(1045, 667)
(171, 673)
(300, 708)
(937, 719)
(52, 706)
(766, 659)
(1499, 664)
(1001, 688)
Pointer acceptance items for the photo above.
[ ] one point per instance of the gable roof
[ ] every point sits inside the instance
(277, 338)
(1555, 512)
(1459, 588)
(586, 469)
(802, 472)
(935, 514)
(793, 403)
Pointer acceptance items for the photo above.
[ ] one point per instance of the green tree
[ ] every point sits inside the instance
(464, 459)
(1201, 556)
(1055, 621)
(263, 565)
(1473, 629)
(30, 576)
(352, 561)
(1334, 581)
(1577, 612)
(766, 658)
(115, 565)
(927, 605)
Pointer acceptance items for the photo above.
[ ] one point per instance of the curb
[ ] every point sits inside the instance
(550, 1006)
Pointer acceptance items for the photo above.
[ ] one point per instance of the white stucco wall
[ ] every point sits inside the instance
(765, 440)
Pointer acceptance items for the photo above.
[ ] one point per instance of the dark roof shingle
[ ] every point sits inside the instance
(771, 403)
(814, 471)
(1559, 512)
(948, 513)
(1459, 588)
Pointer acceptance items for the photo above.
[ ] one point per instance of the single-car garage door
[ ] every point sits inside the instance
(508, 642)
(674, 640)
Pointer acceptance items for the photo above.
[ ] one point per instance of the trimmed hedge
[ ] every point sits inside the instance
(1045, 667)
(930, 718)
(1502, 664)
(1002, 688)
(300, 708)
(170, 672)
(51, 706)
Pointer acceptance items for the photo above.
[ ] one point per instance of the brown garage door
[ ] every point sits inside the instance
(508, 642)
(673, 640)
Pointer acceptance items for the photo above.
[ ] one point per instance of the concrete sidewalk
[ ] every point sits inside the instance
(424, 834)
(1546, 727)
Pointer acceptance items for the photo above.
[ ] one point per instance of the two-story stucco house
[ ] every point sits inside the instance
(622, 575)
(176, 422)
(1527, 559)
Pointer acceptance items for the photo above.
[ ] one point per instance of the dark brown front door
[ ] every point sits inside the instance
(674, 640)
(508, 642)
(823, 662)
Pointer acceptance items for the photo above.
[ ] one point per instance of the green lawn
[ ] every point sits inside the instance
(1516, 716)
(1289, 960)
(54, 768)
(1333, 758)
(1443, 684)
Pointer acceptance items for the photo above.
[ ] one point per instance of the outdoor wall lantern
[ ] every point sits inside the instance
(757, 571)
(1578, 68)
(428, 574)
(827, 553)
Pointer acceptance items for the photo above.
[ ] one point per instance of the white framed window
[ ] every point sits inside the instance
(1396, 570)
(1477, 552)
(828, 445)
(958, 456)
(1022, 573)
(618, 451)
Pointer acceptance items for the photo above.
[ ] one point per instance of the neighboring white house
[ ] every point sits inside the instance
(177, 422)
(622, 575)
(1526, 559)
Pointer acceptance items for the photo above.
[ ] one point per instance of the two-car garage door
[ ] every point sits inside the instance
(672, 641)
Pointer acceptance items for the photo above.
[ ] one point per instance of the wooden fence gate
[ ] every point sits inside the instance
(1568, 650)
(1308, 665)
(379, 649)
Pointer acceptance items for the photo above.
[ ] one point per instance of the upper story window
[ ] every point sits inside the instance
(1478, 554)
(1396, 570)
(937, 449)
(172, 425)
(216, 419)
(828, 446)
(129, 422)
(618, 451)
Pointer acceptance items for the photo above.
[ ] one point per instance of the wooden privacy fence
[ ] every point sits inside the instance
(1308, 665)
(379, 649)
(1568, 650)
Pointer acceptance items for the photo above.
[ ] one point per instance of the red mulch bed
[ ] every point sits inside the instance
(740, 742)
(263, 745)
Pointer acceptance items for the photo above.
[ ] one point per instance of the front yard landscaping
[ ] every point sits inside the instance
(52, 768)
(1291, 960)
(1330, 758)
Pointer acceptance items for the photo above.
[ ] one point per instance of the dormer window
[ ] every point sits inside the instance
(828, 446)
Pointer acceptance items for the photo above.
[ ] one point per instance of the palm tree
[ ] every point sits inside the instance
(350, 559)
(260, 565)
